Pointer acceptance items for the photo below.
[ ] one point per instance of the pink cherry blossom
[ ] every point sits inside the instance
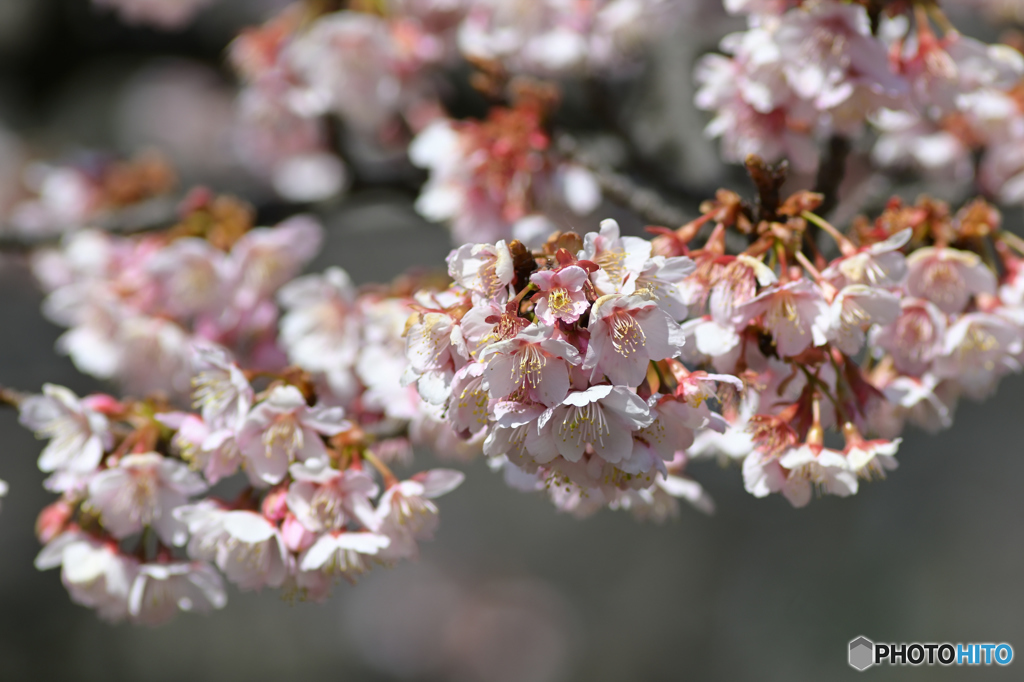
(343, 554)
(220, 389)
(160, 590)
(854, 310)
(532, 365)
(811, 469)
(482, 268)
(282, 429)
(324, 499)
(621, 259)
(948, 277)
(245, 546)
(78, 435)
(914, 339)
(95, 573)
(406, 512)
(795, 314)
(144, 490)
(603, 417)
(562, 296)
(626, 333)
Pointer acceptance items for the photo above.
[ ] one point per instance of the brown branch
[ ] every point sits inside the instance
(768, 180)
(11, 398)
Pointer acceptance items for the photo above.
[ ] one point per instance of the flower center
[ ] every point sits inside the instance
(585, 423)
(783, 313)
(560, 302)
(627, 335)
(612, 262)
(943, 282)
(284, 433)
(527, 371)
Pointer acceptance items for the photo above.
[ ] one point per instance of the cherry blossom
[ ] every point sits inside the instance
(531, 365)
(95, 573)
(168, 14)
(282, 429)
(144, 490)
(795, 314)
(79, 435)
(161, 590)
(245, 546)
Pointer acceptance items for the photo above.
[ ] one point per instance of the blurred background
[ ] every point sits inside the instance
(510, 591)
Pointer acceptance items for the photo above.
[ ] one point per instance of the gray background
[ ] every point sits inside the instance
(510, 590)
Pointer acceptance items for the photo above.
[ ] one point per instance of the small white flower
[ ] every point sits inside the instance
(143, 490)
(282, 429)
(95, 573)
(344, 554)
(161, 590)
(324, 499)
(245, 546)
(821, 469)
(220, 389)
(78, 434)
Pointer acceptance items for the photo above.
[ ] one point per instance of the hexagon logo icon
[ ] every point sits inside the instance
(862, 653)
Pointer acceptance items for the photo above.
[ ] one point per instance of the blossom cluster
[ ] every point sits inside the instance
(378, 74)
(894, 329)
(90, 191)
(165, 14)
(807, 71)
(568, 362)
(498, 178)
(134, 544)
(553, 38)
(563, 362)
(350, 342)
(134, 305)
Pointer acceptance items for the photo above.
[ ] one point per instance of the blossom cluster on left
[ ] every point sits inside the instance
(134, 542)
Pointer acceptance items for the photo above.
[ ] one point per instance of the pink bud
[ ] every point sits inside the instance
(53, 520)
(296, 537)
(274, 504)
(103, 403)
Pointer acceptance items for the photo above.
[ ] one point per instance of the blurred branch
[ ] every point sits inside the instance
(831, 172)
(646, 202)
(10, 397)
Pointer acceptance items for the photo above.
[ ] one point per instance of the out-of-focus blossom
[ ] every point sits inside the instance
(556, 38)
(161, 590)
(489, 178)
(78, 435)
(805, 72)
(144, 490)
(166, 14)
(137, 306)
(283, 429)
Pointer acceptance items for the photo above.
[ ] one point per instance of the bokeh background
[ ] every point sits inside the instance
(510, 591)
